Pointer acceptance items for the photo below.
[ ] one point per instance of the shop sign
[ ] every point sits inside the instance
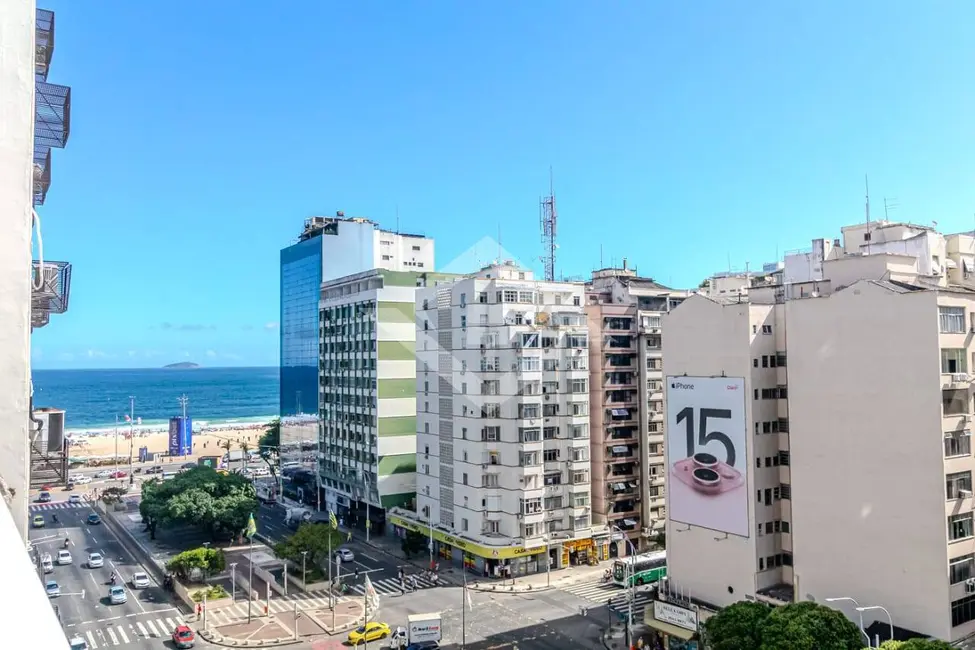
(469, 547)
(679, 616)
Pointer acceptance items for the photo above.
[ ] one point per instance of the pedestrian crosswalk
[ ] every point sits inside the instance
(57, 505)
(279, 604)
(129, 632)
(596, 591)
(391, 586)
(620, 604)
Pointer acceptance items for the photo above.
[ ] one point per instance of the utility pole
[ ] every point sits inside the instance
(131, 436)
(183, 400)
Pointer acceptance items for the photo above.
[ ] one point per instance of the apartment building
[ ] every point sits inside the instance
(24, 55)
(367, 392)
(502, 399)
(626, 404)
(842, 466)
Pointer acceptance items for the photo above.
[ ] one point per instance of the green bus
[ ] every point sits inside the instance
(644, 569)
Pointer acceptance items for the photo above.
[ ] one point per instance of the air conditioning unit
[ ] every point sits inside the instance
(970, 586)
(959, 378)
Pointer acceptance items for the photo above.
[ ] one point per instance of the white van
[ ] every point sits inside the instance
(46, 563)
(168, 475)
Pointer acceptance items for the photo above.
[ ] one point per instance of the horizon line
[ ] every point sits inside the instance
(159, 368)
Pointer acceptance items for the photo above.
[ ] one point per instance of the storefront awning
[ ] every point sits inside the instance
(667, 628)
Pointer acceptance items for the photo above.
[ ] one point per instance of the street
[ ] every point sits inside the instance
(145, 621)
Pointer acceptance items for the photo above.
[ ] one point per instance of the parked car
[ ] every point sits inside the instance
(105, 473)
(47, 564)
(81, 479)
(95, 561)
(155, 469)
(53, 589)
(117, 595)
(140, 580)
(118, 474)
(64, 557)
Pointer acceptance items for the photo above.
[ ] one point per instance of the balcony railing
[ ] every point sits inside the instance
(42, 173)
(43, 43)
(52, 115)
(54, 280)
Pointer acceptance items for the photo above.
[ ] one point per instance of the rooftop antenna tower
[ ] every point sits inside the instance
(549, 217)
(889, 204)
(866, 184)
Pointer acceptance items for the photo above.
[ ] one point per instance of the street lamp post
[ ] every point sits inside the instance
(304, 576)
(548, 562)
(233, 582)
(881, 608)
(131, 436)
(630, 587)
(847, 599)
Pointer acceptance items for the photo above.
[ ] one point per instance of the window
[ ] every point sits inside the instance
(553, 503)
(532, 434)
(511, 296)
(960, 527)
(951, 319)
(489, 480)
(529, 364)
(529, 340)
(766, 329)
(482, 297)
(960, 568)
(553, 478)
(955, 401)
(528, 411)
(526, 297)
(956, 483)
(550, 455)
(550, 433)
(580, 477)
(953, 361)
(578, 341)
(491, 411)
(578, 386)
(528, 458)
(491, 434)
(958, 443)
(531, 506)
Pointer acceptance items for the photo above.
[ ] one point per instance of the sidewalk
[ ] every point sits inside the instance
(286, 628)
(540, 581)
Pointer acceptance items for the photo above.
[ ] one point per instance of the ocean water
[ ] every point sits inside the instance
(92, 398)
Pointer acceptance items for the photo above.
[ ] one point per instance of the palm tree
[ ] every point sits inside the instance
(268, 446)
(244, 447)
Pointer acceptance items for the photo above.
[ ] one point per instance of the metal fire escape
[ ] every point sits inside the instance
(51, 281)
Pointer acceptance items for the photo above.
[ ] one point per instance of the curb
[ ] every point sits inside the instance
(231, 642)
(509, 589)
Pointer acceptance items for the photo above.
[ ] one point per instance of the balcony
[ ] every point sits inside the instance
(619, 342)
(52, 115)
(42, 173)
(43, 43)
(50, 290)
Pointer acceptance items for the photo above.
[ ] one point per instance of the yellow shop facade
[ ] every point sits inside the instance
(502, 561)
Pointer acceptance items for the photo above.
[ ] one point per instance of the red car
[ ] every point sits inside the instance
(118, 474)
(183, 637)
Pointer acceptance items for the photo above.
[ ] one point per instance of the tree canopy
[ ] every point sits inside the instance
(916, 644)
(798, 626)
(310, 537)
(217, 503)
(268, 445)
(205, 560)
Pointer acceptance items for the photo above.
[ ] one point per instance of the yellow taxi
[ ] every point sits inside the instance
(38, 521)
(371, 631)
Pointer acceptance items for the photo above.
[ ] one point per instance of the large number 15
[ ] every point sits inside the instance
(686, 415)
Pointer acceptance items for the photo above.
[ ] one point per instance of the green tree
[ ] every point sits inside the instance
(414, 543)
(809, 626)
(219, 504)
(244, 448)
(737, 627)
(206, 560)
(269, 443)
(312, 538)
(113, 494)
(916, 644)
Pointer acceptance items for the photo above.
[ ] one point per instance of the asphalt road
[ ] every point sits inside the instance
(144, 622)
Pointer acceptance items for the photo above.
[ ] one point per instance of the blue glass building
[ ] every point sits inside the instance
(301, 279)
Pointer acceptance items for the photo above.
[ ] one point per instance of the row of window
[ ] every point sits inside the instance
(772, 426)
(768, 496)
(782, 458)
(776, 360)
(772, 527)
(774, 561)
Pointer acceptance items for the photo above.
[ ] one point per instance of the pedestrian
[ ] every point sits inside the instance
(199, 611)
(348, 538)
(357, 573)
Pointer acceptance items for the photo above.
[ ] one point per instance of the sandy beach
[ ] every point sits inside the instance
(210, 442)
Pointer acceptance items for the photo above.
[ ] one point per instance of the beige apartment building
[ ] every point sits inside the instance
(626, 403)
(856, 462)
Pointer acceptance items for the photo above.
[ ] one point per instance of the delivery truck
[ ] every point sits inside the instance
(422, 631)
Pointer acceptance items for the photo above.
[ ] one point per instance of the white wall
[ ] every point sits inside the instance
(396, 484)
(349, 252)
(16, 174)
(396, 406)
(868, 480)
(704, 338)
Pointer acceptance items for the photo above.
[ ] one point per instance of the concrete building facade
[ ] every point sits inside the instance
(858, 386)
(502, 390)
(626, 404)
(367, 392)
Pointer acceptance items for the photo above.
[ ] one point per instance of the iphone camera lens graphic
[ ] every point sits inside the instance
(706, 478)
(706, 460)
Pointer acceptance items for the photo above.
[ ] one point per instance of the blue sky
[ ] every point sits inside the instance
(682, 136)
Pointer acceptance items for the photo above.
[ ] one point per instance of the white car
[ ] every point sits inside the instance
(345, 555)
(64, 557)
(74, 499)
(105, 473)
(117, 595)
(81, 480)
(140, 580)
(95, 561)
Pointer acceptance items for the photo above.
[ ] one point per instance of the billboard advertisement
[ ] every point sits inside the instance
(707, 481)
(180, 436)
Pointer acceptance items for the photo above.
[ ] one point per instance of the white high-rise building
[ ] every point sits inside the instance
(503, 474)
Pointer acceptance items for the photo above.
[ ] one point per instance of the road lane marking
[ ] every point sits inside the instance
(369, 558)
(152, 628)
(142, 629)
(121, 631)
(111, 633)
(91, 640)
(105, 620)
